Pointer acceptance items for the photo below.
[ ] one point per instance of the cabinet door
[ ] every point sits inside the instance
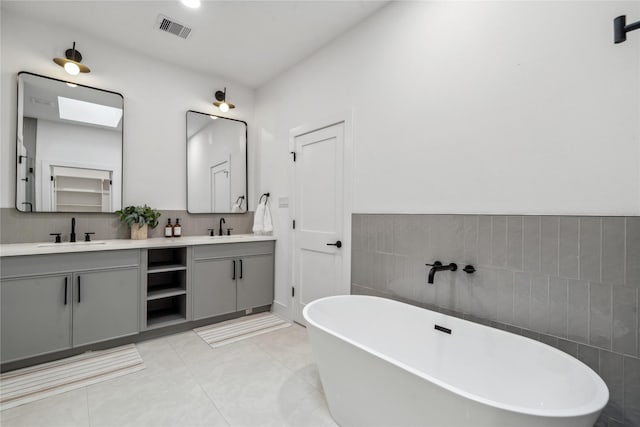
(106, 305)
(255, 284)
(35, 316)
(214, 287)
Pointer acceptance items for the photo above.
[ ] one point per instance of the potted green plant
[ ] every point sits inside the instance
(139, 219)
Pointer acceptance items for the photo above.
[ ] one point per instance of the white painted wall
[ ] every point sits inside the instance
(156, 94)
(78, 146)
(470, 107)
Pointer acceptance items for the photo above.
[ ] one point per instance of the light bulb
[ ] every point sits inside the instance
(224, 107)
(72, 68)
(191, 3)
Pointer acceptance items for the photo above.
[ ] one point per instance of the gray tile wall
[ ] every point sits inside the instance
(571, 282)
(18, 227)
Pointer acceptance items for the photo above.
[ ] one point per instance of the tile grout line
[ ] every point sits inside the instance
(198, 381)
(279, 362)
(87, 401)
(539, 248)
(624, 251)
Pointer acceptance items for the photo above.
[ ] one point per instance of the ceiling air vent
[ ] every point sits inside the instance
(170, 26)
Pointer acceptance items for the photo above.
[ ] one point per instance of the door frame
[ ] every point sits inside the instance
(213, 166)
(345, 117)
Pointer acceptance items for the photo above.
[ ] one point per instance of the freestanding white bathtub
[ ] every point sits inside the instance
(385, 363)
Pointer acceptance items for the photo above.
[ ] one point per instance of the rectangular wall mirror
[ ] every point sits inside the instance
(68, 148)
(216, 164)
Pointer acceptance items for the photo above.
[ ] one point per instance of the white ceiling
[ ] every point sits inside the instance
(249, 42)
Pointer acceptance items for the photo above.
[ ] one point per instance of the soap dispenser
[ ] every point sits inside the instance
(168, 229)
(177, 229)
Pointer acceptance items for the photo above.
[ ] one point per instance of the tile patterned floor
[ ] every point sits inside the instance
(268, 380)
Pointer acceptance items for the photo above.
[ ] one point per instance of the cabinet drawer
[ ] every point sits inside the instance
(60, 263)
(232, 250)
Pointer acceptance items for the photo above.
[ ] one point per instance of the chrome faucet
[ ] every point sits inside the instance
(222, 221)
(437, 266)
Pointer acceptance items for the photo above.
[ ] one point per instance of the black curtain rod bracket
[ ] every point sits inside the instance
(620, 28)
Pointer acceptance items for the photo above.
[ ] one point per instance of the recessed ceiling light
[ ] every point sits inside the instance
(88, 112)
(194, 4)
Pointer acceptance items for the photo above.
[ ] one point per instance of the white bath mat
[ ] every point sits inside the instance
(238, 329)
(37, 382)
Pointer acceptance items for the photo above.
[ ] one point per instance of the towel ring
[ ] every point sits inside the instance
(266, 196)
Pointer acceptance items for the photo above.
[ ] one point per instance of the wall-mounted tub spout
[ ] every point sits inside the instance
(437, 266)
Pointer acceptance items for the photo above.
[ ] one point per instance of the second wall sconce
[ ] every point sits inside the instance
(621, 28)
(221, 101)
(72, 62)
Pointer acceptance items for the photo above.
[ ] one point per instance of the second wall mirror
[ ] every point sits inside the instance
(216, 164)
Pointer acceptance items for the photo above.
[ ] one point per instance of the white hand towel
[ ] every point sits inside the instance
(267, 223)
(258, 219)
(235, 208)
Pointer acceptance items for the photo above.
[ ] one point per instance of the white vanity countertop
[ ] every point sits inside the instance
(18, 249)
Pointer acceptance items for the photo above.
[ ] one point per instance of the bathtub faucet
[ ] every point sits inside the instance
(437, 266)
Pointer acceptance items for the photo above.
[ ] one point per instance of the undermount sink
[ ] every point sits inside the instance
(95, 242)
(231, 237)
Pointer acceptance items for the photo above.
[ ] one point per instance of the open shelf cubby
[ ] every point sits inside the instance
(166, 311)
(166, 259)
(166, 286)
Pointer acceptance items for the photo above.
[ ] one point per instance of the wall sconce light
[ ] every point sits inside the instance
(72, 62)
(621, 28)
(221, 101)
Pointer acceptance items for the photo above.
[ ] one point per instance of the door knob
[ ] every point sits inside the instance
(337, 244)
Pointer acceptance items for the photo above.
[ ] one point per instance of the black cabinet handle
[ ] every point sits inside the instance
(66, 289)
(78, 289)
(337, 244)
(233, 275)
(240, 270)
(469, 269)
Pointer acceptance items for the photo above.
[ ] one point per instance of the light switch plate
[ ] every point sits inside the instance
(283, 202)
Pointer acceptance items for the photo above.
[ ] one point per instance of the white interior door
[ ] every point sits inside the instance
(220, 188)
(319, 217)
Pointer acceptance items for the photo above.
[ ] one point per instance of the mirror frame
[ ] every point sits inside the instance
(246, 162)
(16, 143)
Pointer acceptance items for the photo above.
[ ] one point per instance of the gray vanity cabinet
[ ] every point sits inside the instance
(105, 305)
(255, 284)
(214, 287)
(231, 277)
(60, 301)
(35, 316)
